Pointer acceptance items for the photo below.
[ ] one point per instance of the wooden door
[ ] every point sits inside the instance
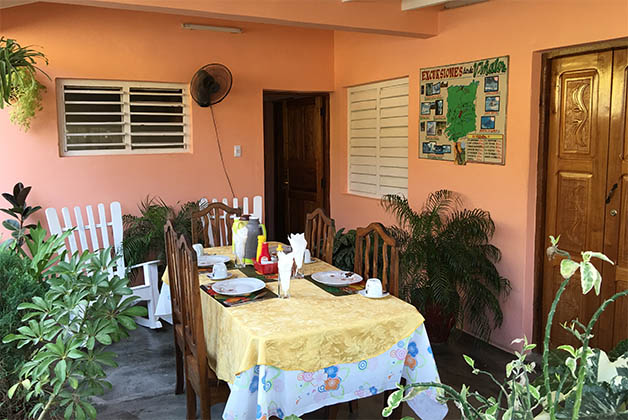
(303, 164)
(576, 177)
(615, 278)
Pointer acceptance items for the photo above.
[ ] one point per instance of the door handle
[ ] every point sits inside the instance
(610, 193)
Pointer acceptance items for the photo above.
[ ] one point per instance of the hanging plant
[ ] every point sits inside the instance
(19, 87)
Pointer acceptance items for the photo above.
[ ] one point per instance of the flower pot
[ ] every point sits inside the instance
(438, 323)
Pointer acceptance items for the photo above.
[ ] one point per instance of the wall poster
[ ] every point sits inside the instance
(463, 112)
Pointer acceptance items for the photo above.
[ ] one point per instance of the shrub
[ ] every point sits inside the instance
(16, 286)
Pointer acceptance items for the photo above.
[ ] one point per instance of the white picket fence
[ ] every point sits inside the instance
(254, 211)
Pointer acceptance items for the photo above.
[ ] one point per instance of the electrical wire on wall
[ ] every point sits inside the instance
(222, 160)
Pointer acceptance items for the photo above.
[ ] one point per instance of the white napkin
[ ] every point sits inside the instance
(284, 266)
(239, 241)
(298, 244)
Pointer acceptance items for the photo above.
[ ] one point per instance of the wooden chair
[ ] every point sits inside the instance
(111, 232)
(319, 234)
(367, 256)
(199, 377)
(176, 296)
(216, 220)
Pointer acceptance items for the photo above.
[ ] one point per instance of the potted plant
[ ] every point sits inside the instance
(19, 88)
(448, 264)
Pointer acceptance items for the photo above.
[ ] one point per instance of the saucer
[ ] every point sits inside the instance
(211, 277)
(363, 293)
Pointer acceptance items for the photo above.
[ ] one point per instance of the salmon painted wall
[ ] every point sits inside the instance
(499, 27)
(96, 43)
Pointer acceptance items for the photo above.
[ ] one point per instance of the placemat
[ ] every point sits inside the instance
(250, 271)
(339, 291)
(229, 301)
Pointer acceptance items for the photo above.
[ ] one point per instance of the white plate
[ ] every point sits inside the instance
(238, 287)
(336, 278)
(211, 277)
(363, 293)
(209, 260)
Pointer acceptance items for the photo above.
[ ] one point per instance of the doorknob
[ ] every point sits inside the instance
(613, 212)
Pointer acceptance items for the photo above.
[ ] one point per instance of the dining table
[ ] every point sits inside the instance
(321, 346)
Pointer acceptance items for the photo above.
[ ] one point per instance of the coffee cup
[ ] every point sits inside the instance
(307, 256)
(199, 250)
(374, 288)
(219, 271)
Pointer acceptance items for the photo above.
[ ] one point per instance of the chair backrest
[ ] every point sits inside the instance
(212, 225)
(105, 232)
(174, 277)
(244, 204)
(319, 234)
(367, 256)
(193, 333)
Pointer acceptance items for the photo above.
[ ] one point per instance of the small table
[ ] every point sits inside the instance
(296, 355)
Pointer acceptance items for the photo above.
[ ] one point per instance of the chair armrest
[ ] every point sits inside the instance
(148, 263)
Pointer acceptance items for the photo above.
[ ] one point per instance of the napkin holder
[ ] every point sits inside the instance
(271, 268)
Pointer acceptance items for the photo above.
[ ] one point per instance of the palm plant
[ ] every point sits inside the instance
(144, 234)
(447, 263)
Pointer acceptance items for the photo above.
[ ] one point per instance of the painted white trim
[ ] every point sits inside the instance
(195, 27)
(417, 4)
(124, 90)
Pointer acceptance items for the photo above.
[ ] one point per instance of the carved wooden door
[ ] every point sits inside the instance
(576, 175)
(585, 159)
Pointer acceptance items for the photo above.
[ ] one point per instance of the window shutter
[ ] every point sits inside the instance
(378, 138)
(104, 117)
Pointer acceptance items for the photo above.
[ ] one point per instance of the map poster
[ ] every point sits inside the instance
(462, 111)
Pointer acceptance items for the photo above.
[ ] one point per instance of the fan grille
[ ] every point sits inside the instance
(211, 84)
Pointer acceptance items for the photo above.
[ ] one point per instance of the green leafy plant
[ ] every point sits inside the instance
(19, 87)
(344, 249)
(17, 286)
(83, 311)
(447, 263)
(144, 233)
(561, 392)
(20, 211)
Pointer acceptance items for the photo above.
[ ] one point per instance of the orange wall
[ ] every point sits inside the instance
(499, 27)
(95, 43)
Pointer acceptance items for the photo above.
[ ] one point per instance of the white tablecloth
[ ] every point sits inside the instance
(163, 309)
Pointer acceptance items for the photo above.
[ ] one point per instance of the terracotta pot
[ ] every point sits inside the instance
(438, 324)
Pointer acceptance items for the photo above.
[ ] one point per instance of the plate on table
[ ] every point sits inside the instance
(363, 293)
(238, 287)
(209, 260)
(337, 278)
(211, 276)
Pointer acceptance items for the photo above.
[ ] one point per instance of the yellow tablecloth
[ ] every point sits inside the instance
(309, 331)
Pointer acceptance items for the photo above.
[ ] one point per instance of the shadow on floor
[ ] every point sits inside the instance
(143, 383)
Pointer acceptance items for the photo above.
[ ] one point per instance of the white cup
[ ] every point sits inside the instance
(307, 256)
(374, 288)
(199, 249)
(219, 271)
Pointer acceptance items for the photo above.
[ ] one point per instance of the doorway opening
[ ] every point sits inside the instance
(296, 159)
(582, 183)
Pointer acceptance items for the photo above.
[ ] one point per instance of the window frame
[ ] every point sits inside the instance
(125, 85)
(366, 86)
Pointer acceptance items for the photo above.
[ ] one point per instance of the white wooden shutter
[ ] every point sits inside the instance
(378, 138)
(113, 117)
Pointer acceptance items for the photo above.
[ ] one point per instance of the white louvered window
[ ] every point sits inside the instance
(99, 117)
(378, 138)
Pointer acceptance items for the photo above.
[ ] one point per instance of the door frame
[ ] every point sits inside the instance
(271, 188)
(542, 160)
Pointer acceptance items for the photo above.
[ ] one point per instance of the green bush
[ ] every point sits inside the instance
(16, 286)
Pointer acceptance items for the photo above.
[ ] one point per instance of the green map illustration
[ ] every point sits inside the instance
(461, 116)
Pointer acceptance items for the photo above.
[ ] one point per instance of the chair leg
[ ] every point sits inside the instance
(206, 402)
(190, 397)
(178, 357)
(332, 411)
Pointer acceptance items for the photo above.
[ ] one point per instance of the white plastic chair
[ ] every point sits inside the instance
(111, 232)
(255, 211)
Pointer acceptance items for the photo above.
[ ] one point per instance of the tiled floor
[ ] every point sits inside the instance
(143, 383)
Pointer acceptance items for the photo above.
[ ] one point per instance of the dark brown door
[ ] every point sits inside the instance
(303, 178)
(585, 159)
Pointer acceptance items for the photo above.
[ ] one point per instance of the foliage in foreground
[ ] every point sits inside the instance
(19, 210)
(561, 395)
(447, 260)
(83, 311)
